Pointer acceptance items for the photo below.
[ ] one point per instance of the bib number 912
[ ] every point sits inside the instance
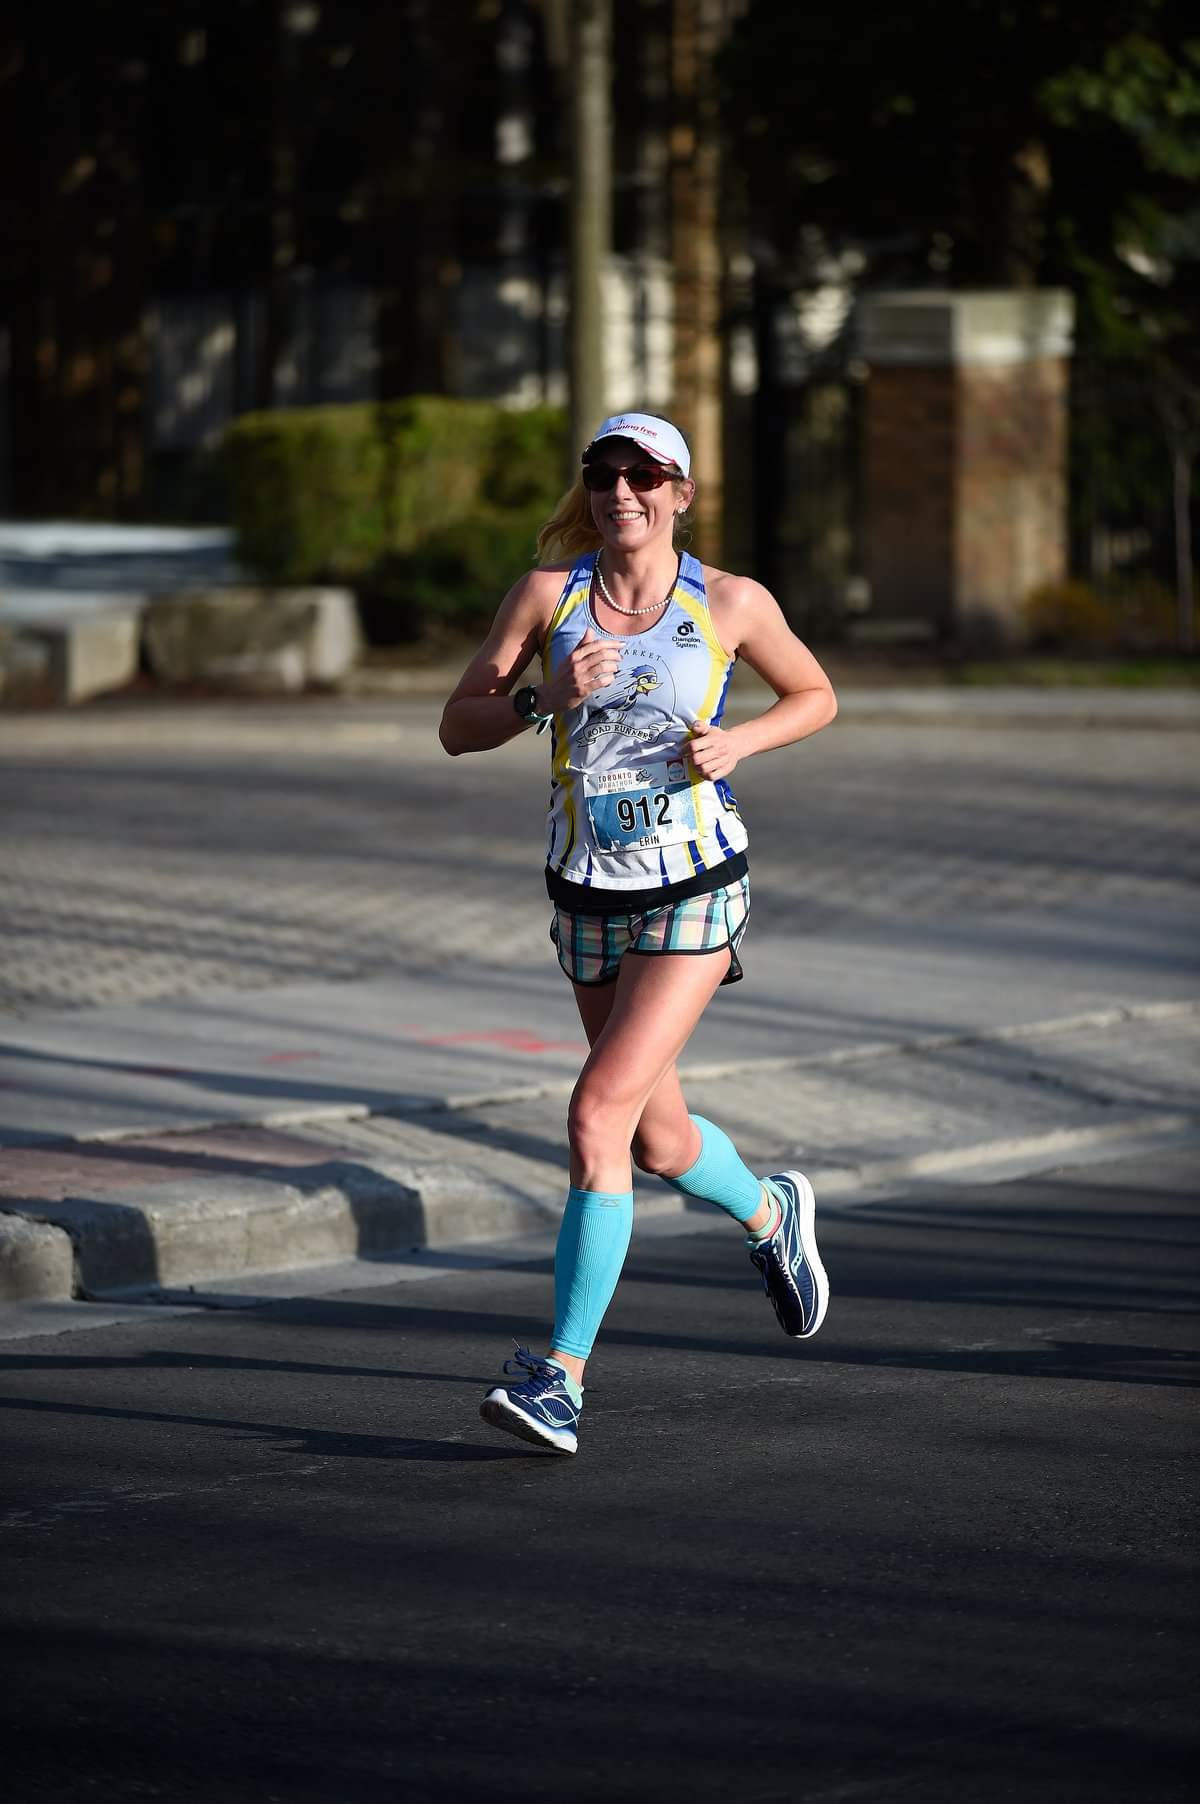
(649, 812)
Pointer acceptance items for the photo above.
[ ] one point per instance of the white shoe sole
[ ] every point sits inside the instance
(498, 1412)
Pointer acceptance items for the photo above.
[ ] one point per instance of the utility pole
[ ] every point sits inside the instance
(587, 88)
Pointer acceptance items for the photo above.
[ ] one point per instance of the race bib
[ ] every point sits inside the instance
(652, 805)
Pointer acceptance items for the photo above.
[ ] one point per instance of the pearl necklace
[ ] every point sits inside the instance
(616, 606)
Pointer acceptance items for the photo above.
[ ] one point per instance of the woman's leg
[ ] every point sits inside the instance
(629, 1093)
(656, 1003)
(671, 1143)
(665, 1139)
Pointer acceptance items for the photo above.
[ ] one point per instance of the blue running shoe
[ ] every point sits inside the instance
(792, 1274)
(538, 1408)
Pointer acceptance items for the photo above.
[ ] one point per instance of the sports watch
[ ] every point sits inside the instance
(525, 704)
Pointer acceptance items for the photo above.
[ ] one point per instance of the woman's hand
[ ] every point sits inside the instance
(591, 666)
(712, 750)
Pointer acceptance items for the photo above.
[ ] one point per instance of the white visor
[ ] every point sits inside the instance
(664, 442)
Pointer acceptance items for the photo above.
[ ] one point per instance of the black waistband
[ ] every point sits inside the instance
(586, 899)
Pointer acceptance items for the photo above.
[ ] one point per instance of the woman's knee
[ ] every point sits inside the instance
(597, 1120)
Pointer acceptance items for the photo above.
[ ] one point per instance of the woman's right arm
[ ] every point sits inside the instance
(480, 714)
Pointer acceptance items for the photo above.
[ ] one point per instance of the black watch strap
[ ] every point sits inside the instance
(525, 703)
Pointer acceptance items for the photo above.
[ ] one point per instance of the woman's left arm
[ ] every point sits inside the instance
(762, 636)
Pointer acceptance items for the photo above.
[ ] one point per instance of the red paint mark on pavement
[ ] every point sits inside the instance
(513, 1039)
(289, 1058)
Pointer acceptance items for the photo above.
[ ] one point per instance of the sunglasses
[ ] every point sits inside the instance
(601, 477)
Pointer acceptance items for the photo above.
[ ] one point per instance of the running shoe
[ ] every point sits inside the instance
(792, 1274)
(538, 1407)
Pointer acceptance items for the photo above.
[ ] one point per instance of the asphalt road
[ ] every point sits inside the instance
(159, 852)
(941, 1552)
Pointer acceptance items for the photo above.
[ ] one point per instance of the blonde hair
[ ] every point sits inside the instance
(571, 530)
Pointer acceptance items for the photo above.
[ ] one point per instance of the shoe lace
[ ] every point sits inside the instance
(540, 1375)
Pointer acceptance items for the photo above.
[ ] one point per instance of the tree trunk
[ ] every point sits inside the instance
(591, 216)
(1185, 592)
(696, 252)
(72, 261)
(26, 128)
(412, 97)
(271, 381)
(1178, 403)
(122, 352)
(769, 444)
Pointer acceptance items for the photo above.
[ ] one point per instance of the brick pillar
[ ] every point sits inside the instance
(965, 460)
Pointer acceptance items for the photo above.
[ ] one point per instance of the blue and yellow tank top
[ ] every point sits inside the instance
(627, 809)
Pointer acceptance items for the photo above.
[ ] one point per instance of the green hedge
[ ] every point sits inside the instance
(455, 577)
(436, 501)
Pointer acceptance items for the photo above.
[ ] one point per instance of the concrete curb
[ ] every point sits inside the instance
(209, 1228)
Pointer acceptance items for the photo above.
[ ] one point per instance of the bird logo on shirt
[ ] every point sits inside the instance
(643, 679)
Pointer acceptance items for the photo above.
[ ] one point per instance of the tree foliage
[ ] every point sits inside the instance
(1048, 142)
(959, 139)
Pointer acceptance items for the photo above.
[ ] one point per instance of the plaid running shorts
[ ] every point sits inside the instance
(590, 947)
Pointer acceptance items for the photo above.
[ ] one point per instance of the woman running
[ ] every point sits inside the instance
(645, 866)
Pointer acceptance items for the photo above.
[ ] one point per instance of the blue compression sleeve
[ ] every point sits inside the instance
(719, 1174)
(592, 1243)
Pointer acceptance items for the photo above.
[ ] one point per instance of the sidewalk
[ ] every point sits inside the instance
(93, 1216)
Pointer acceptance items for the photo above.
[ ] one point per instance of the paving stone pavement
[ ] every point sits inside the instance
(158, 851)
